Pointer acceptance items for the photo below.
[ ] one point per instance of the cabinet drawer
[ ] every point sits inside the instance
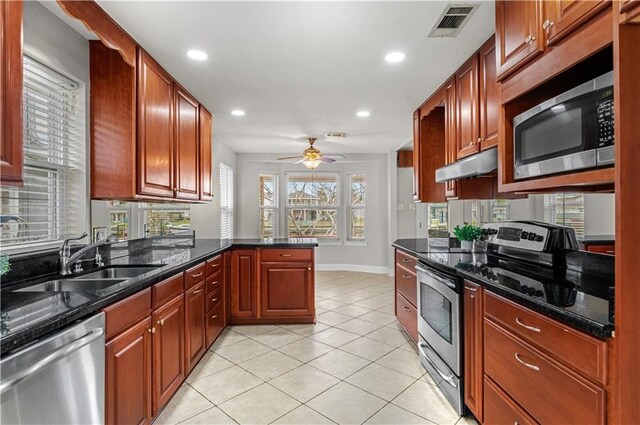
(548, 391)
(405, 260)
(406, 284)
(582, 352)
(215, 323)
(407, 316)
(301, 254)
(213, 299)
(214, 282)
(167, 289)
(125, 313)
(194, 275)
(214, 265)
(500, 409)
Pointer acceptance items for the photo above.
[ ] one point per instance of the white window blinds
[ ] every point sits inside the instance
(565, 209)
(51, 204)
(226, 201)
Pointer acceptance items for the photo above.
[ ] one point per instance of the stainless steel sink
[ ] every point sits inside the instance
(71, 285)
(115, 272)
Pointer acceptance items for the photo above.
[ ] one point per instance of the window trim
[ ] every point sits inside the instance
(227, 211)
(275, 208)
(350, 240)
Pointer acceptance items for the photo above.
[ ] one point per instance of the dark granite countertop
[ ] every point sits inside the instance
(582, 298)
(419, 246)
(27, 316)
(597, 239)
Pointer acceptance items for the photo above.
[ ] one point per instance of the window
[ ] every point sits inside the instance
(226, 201)
(312, 205)
(357, 192)
(268, 205)
(51, 205)
(438, 218)
(566, 210)
(119, 216)
(499, 210)
(164, 219)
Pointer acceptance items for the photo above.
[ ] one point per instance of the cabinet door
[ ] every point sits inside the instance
(467, 129)
(195, 327)
(206, 160)
(168, 351)
(518, 34)
(11, 92)
(416, 155)
(563, 16)
(187, 158)
(156, 154)
(244, 296)
(128, 376)
(286, 290)
(473, 375)
(630, 11)
(215, 322)
(488, 95)
(450, 132)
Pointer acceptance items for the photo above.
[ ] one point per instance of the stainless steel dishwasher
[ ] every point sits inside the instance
(57, 380)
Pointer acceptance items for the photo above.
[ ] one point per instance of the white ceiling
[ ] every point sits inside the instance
(304, 68)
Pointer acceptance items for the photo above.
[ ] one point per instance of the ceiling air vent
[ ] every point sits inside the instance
(454, 17)
(335, 134)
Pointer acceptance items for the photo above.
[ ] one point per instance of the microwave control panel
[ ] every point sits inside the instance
(605, 118)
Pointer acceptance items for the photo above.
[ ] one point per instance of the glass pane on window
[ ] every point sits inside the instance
(566, 210)
(268, 190)
(268, 222)
(357, 223)
(313, 223)
(119, 224)
(312, 189)
(164, 222)
(499, 210)
(357, 190)
(438, 215)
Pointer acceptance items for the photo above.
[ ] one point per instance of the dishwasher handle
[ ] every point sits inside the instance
(50, 358)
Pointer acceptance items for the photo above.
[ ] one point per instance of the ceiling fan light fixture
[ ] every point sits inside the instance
(311, 164)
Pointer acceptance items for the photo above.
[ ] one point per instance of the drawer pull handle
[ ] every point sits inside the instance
(530, 366)
(405, 308)
(215, 316)
(406, 276)
(197, 274)
(286, 255)
(470, 289)
(531, 328)
(198, 291)
(406, 260)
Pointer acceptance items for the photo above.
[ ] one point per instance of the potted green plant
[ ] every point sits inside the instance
(5, 266)
(467, 234)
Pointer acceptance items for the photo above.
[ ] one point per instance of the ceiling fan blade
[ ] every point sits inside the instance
(327, 159)
(336, 156)
(300, 161)
(289, 157)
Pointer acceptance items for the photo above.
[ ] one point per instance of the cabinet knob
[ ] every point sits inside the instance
(547, 24)
(152, 330)
(161, 322)
(214, 300)
(214, 316)
(309, 269)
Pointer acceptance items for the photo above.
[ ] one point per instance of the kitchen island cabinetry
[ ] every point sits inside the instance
(195, 320)
(406, 293)
(473, 349)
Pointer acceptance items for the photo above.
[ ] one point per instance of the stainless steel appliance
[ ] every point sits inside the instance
(472, 166)
(57, 380)
(440, 330)
(571, 131)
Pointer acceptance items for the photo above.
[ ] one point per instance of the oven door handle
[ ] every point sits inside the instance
(448, 378)
(437, 276)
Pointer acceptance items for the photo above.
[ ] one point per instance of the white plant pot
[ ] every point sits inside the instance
(466, 245)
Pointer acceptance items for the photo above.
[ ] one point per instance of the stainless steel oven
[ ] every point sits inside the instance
(439, 326)
(572, 131)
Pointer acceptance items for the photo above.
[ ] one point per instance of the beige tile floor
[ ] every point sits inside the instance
(355, 366)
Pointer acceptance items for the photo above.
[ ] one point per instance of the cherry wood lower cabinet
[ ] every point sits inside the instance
(500, 409)
(287, 290)
(244, 284)
(195, 326)
(168, 351)
(406, 289)
(473, 349)
(128, 379)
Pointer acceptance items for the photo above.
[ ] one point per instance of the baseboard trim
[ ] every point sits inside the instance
(353, 268)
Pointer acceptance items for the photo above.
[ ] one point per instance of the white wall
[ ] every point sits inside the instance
(405, 205)
(599, 214)
(370, 256)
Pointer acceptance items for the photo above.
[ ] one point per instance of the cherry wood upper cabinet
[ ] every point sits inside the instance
(155, 128)
(473, 349)
(206, 159)
(168, 351)
(244, 284)
(450, 132)
(630, 11)
(11, 148)
(467, 128)
(187, 155)
(416, 155)
(195, 325)
(519, 34)
(563, 16)
(128, 376)
(488, 95)
(287, 290)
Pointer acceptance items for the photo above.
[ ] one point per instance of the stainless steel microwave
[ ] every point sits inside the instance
(572, 131)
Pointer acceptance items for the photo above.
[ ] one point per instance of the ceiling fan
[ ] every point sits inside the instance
(311, 157)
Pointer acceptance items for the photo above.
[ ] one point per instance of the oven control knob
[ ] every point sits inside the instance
(524, 235)
(539, 238)
(539, 293)
(532, 236)
(531, 291)
(524, 289)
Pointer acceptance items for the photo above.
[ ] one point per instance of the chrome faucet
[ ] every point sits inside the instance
(67, 260)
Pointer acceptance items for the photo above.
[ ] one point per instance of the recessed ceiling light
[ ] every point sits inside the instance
(197, 55)
(394, 57)
(363, 114)
(238, 113)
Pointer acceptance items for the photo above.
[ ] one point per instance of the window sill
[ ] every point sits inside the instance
(335, 242)
(355, 243)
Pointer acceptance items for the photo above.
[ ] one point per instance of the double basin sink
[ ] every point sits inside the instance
(93, 281)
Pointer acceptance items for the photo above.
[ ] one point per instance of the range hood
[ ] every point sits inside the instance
(472, 166)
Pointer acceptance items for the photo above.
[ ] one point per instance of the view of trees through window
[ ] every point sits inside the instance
(268, 205)
(313, 201)
(565, 209)
(357, 200)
